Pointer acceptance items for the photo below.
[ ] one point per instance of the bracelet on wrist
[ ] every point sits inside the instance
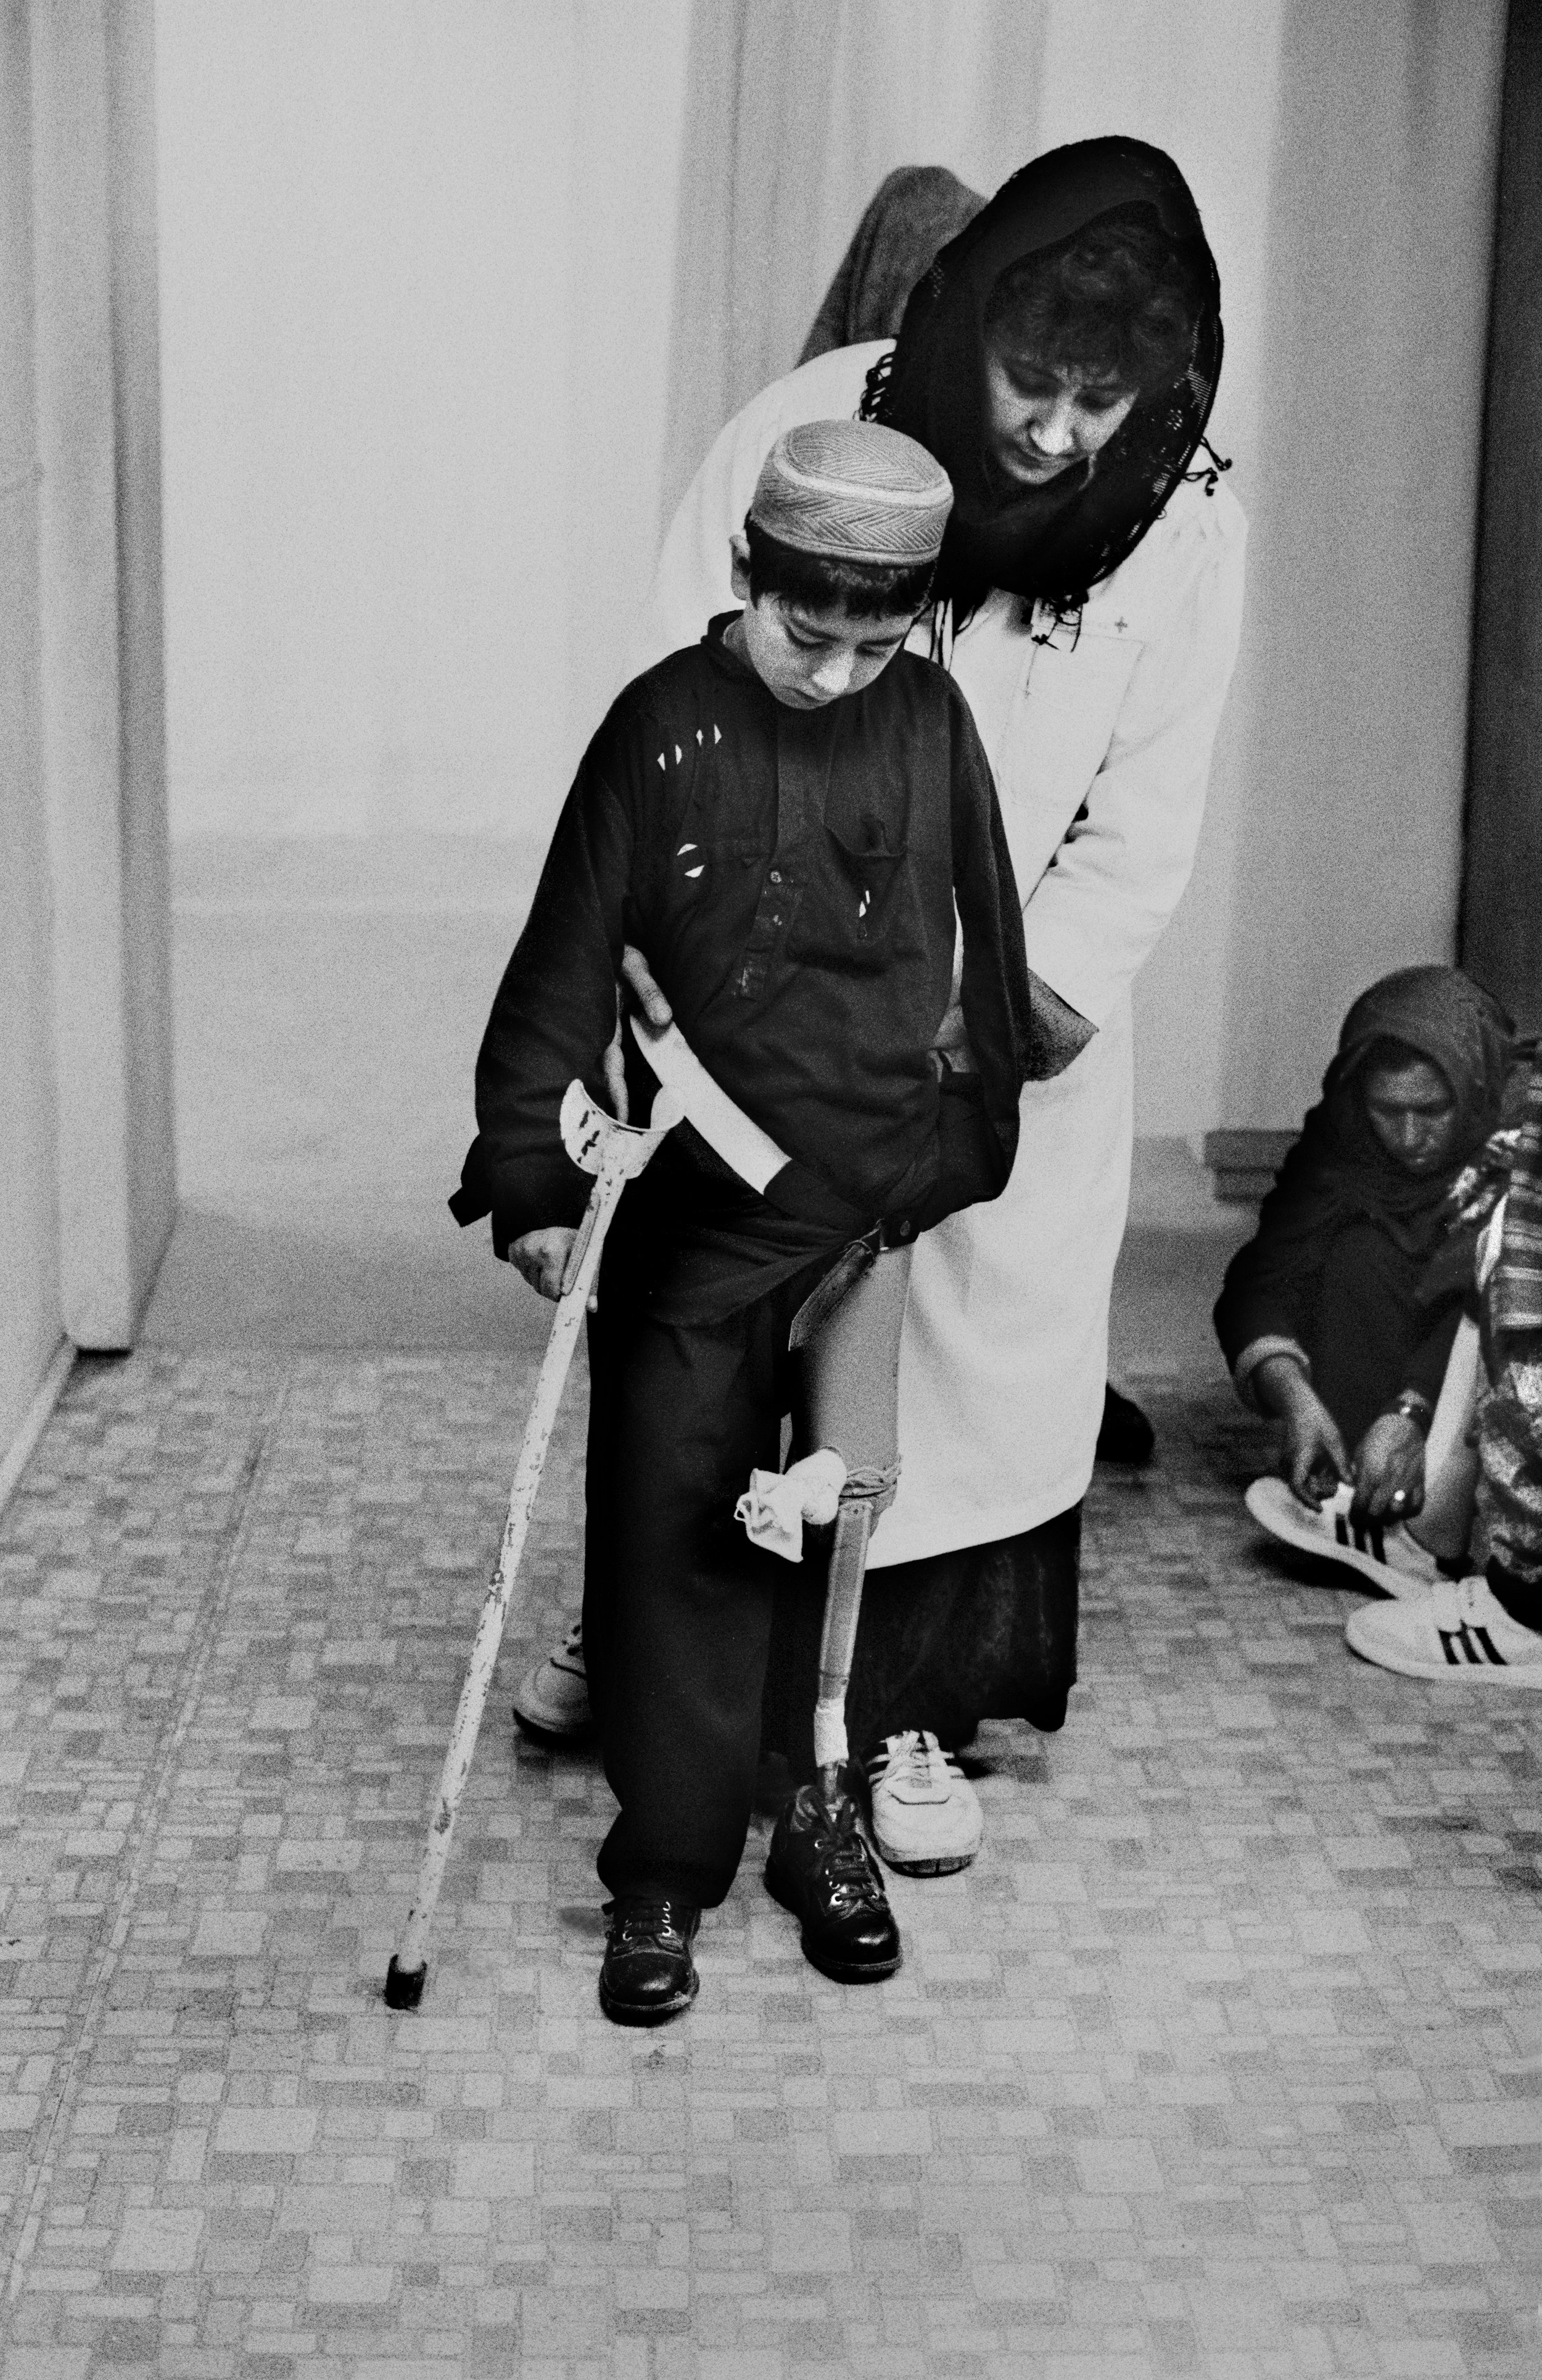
(1412, 1406)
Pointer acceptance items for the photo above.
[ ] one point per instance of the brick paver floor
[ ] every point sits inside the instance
(1226, 2059)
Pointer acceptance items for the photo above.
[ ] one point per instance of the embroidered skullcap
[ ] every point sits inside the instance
(854, 490)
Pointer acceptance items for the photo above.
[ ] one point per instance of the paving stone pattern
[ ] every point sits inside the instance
(1226, 2059)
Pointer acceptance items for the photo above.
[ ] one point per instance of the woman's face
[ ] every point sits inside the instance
(1411, 1112)
(1040, 420)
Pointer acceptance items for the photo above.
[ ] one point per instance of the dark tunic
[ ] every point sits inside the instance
(791, 876)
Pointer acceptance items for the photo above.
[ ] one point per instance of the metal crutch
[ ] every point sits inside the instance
(615, 1153)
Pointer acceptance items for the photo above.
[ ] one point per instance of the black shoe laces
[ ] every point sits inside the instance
(845, 1867)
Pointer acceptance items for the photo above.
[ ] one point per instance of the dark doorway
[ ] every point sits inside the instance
(1501, 889)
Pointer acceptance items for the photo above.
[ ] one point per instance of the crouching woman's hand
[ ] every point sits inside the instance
(1390, 1469)
(1314, 1461)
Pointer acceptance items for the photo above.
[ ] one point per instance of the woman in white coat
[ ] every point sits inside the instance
(1059, 359)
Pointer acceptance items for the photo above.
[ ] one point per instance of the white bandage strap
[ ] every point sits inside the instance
(777, 1503)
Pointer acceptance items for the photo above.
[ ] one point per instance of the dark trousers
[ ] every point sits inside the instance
(1372, 1336)
(677, 1602)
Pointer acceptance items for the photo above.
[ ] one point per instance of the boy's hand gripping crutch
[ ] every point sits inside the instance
(614, 1153)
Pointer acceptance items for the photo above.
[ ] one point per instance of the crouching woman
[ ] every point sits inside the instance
(1339, 1316)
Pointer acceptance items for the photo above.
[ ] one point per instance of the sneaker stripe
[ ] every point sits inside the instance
(1476, 1648)
(1369, 1538)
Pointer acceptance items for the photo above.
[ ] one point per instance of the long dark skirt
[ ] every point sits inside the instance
(989, 1632)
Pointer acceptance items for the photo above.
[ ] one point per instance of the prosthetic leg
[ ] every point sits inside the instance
(848, 1416)
(852, 1376)
(818, 1864)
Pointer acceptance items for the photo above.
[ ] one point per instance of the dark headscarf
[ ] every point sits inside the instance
(1338, 1170)
(915, 211)
(1052, 544)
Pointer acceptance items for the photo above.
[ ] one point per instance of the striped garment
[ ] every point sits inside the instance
(1510, 1415)
(1515, 1294)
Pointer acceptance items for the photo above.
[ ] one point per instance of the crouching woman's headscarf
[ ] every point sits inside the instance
(1340, 1173)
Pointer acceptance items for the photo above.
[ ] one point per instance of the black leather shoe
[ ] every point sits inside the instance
(1125, 1435)
(820, 1868)
(648, 1974)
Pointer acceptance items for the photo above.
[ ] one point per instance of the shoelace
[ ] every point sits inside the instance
(845, 1867)
(650, 1917)
(572, 1646)
(1459, 1615)
(926, 1760)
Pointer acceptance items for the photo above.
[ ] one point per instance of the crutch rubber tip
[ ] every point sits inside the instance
(403, 1985)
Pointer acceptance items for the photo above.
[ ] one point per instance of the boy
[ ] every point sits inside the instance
(780, 819)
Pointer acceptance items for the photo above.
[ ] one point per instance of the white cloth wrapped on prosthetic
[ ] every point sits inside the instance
(777, 1503)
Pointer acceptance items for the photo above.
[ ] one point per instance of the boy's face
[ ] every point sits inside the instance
(808, 655)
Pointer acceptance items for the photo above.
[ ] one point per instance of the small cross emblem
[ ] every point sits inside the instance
(1121, 626)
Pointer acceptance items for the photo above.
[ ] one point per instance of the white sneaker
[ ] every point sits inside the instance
(1459, 1631)
(1380, 1550)
(926, 1819)
(553, 1698)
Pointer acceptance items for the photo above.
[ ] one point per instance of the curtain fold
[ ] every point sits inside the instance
(795, 111)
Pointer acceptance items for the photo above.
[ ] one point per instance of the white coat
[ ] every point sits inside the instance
(1101, 742)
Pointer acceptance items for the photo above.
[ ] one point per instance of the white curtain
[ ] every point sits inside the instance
(416, 263)
(795, 111)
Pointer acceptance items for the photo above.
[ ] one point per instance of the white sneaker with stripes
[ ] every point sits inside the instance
(927, 1819)
(1459, 1631)
(552, 1697)
(1382, 1551)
